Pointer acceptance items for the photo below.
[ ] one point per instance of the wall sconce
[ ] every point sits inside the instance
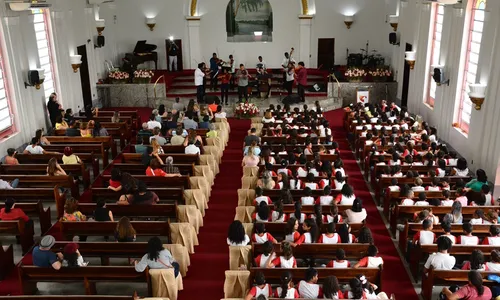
(100, 24)
(35, 78)
(348, 20)
(410, 58)
(394, 21)
(477, 94)
(151, 22)
(76, 62)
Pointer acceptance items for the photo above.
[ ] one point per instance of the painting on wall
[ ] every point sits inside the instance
(249, 21)
(363, 95)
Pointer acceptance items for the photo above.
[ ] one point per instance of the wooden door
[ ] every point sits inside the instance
(178, 43)
(326, 53)
(85, 76)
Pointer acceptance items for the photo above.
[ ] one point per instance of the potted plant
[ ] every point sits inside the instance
(143, 76)
(246, 110)
(117, 76)
(355, 74)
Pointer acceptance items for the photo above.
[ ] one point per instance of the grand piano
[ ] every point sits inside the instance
(142, 53)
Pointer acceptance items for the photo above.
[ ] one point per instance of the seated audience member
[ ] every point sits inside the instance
(250, 159)
(346, 196)
(60, 123)
(251, 137)
(193, 136)
(291, 230)
(170, 168)
(309, 288)
(365, 236)
(261, 288)
(326, 199)
(99, 130)
(74, 129)
(259, 197)
(86, 129)
(261, 236)
(340, 262)
(473, 290)
(422, 200)
(494, 263)
(54, 169)
(156, 135)
(41, 137)
(345, 234)
(236, 235)
(177, 139)
(188, 122)
(461, 168)
(287, 260)
(356, 214)
(5, 185)
(69, 158)
(142, 196)
(11, 159)
(456, 213)
(170, 123)
(142, 145)
(310, 234)
(356, 290)
(286, 289)
(157, 148)
(124, 232)
(261, 259)
(144, 132)
(206, 122)
(71, 212)
(494, 238)
(331, 288)
(330, 237)
(446, 226)
(34, 147)
(72, 257)
(441, 260)
(219, 114)
(102, 213)
(116, 117)
(157, 258)
(68, 116)
(476, 261)
(307, 199)
(467, 238)
(115, 181)
(477, 183)
(44, 257)
(447, 201)
(192, 148)
(212, 133)
(418, 185)
(155, 169)
(425, 236)
(152, 123)
(10, 213)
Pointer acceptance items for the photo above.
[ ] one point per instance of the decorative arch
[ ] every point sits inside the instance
(194, 6)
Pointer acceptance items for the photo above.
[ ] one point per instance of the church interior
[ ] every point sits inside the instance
(249, 149)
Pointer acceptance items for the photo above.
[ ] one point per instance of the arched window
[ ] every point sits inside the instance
(44, 45)
(6, 120)
(435, 32)
(474, 37)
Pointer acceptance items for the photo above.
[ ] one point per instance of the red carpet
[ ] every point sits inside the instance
(205, 277)
(395, 279)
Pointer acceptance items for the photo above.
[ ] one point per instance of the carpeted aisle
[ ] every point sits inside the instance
(205, 277)
(395, 279)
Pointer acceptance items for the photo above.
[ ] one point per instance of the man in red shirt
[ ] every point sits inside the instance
(302, 81)
(9, 213)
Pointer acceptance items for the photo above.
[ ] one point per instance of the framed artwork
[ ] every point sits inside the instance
(363, 95)
(249, 21)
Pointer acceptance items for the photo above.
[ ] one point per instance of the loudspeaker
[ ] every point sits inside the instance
(355, 60)
(318, 87)
(33, 77)
(292, 99)
(394, 38)
(100, 41)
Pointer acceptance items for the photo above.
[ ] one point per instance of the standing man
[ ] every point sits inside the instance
(232, 65)
(290, 78)
(54, 108)
(199, 77)
(286, 61)
(302, 81)
(261, 66)
(214, 71)
(243, 77)
(172, 56)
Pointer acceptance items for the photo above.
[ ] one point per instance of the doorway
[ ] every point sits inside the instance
(178, 48)
(326, 54)
(85, 76)
(406, 79)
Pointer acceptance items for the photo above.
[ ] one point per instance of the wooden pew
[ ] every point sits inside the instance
(89, 228)
(30, 194)
(140, 169)
(20, 229)
(273, 275)
(89, 276)
(296, 194)
(6, 260)
(447, 278)
(75, 169)
(325, 251)
(278, 229)
(166, 194)
(282, 140)
(65, 181)
(309, 209)
(181, 181)
(178, 158)
(310, 157)
(87, 158)
(118, 131)
(394, 198)
(108, 141)
(168, 210)
(66, 297)
(98, 149)
(36, 209)
(105, 119)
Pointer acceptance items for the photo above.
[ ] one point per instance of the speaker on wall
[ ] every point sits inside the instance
(100, 41)
(394, 38)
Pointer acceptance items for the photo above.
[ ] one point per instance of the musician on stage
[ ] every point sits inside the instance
(214, 71)
(243, 77)
(225, 77)
(199, 82)
(232, 66)
(301, 78)
(290, 78)
(261, 66)
(285, 63)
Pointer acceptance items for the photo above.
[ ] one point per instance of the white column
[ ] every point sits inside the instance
(194, 42)
(305, 30)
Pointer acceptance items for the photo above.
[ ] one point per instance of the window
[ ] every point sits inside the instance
(475, 35)
(44, 45)
(435, 50)
(6, 120)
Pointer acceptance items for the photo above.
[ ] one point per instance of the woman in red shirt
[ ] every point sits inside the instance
(9, 213)
(115, 183)
(155, 169)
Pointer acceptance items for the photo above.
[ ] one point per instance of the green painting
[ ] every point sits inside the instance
(249, 21)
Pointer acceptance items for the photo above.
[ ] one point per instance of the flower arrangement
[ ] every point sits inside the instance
(385, 72)
(246, 110)
(355, 74)
(144, 75)
(118, 76)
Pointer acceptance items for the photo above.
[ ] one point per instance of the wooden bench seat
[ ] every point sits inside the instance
(29, 276)
(6, 260)
(36, 210)
(278, 229)
(325, 251)
(297, 194)
(166, 194)
(282, 140)
(167, 210)
(66, 297)
(30, 194)
(41, 169)
(106, 119)
(64, 181)
(309, 209)
(145, 228)
(140, 169)
(21, 229)
(310, 157)
(118, 131)
(394, 198)
(98, 149)
(87, 158)
(181, 181)
(178, 158)
(107, 141)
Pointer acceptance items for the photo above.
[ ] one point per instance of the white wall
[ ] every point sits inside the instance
(482, 145)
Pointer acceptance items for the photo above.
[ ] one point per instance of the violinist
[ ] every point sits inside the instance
(290, 77)
(243, 77)
(215, 64)
(261, 66)
(225, 77)
(286, 61)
